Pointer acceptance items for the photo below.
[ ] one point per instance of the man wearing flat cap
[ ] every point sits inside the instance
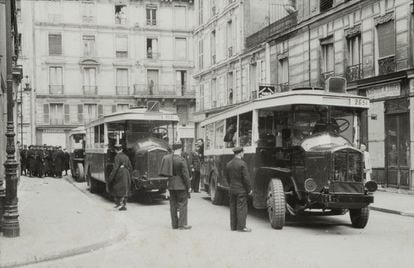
(179, 188)
(119, 181)
(237, 176)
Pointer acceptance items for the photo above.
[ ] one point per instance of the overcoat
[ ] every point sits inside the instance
(119, 181)
(237, 175)
(180, 179)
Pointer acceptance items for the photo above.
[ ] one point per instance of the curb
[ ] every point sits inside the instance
(69, 253)
(392, 211)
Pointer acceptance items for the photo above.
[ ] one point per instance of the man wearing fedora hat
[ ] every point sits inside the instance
(119, 181)
(237, 176)
(179, 188)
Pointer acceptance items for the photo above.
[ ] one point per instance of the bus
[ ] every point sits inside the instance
(146, 136)
(301, 148)
(76, 151)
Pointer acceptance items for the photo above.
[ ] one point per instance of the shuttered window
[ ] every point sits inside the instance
(46, 118)
(386, 39)
(55, 44)
(80, 113)
(121, 46)
(67, 114)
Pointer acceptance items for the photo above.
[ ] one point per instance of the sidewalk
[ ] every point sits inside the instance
(393, 202)
(57, 220)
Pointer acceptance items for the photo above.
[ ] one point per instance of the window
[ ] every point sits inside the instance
(87, 11)
(56, 114)
(55, 44)
(152, 48)
(230, 38)
(230, 137)
(88, 45)
(151, 15)
(327, 47)
(120, 14)
(152, 78)
(80, 113)
(99, 134)
(91, 112)
(200, 54)
(219, 135)
(213, 47)
(353, 71)
(245, 129)
(180, 17)
(181, 82)
(200, 12)
(122, 87)
(209, 143)
(325, 5)
(89, 81)
(230, 87)
(262, 66)
(283, 73)
(213, 93)
(181, 48)
(386, 47)
(55, 80)
(122, 46)
(182, 112)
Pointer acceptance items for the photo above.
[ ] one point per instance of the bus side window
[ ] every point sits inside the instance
(245, 129)
(230, 138)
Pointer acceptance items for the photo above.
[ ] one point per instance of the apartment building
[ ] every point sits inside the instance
(93, 57)
(371, 43)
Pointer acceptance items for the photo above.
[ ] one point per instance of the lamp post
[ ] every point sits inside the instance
(27, 88)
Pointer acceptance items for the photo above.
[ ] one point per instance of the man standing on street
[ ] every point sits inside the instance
(119, 181)
(179, 188)
(237, 176)
(195, 160)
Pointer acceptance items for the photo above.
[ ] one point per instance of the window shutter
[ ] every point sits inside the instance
(46, 119)
(100, 110)
(55, 44)
(80, 113)
(386, 42)
(67, 114)
(113, 108)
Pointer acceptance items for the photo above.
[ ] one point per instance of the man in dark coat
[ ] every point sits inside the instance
(66, 161)
(119, 181)
(237, 176)
(39, 164)
(57, 160)
(31, 160)
(23, 159)
(179, 188)
(195, 159)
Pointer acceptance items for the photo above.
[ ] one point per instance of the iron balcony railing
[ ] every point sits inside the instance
(387, 65)
(153, 55)
(354, 72)
(163, 90)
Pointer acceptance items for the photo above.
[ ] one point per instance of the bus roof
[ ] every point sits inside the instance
(135, 114)
(298, 96)
(78, 130)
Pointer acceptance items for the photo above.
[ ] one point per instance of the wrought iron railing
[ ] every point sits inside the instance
(163, 90)
(354, 72)
(387, 65)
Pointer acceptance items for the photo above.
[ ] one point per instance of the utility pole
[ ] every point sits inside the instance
(10, 224)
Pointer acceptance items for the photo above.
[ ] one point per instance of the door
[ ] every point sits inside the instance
(397, 127)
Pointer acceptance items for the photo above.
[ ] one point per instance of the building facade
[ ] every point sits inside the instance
(88, 58)
(371, 43)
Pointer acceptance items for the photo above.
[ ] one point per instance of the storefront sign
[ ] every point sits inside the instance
(390, 90)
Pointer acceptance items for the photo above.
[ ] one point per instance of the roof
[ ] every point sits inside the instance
(135, 114)
(285, 99)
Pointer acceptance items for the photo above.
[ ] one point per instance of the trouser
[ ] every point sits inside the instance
(178, 208)
(238, 211)
(195, 182)
(120, 200)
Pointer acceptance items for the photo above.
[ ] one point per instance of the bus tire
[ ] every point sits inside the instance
(359, 217)
(80, 173)
(216, 195)
(276, 204)
(93, 184)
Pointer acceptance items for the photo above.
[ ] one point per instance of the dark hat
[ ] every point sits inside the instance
(177, 146)
(118, 146)
(237, 150)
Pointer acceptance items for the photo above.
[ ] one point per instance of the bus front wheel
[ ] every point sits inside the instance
(80, 173)
(216, 195)
(276, 204)
(359, 217)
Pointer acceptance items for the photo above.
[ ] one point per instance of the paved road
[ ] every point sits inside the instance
(387, 241)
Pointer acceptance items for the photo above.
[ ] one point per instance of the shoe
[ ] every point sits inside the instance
(246, 230)
(117, 206)
(185, 227)
(122, 209)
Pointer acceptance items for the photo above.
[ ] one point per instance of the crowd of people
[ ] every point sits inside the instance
(43, 161)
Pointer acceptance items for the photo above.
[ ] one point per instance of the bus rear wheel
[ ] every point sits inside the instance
(276, 204)
(93, 184)
(359, 217)
(216, 195)
(79, 173)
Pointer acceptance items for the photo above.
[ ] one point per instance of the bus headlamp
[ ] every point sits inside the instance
(310, 185)
(371, 186)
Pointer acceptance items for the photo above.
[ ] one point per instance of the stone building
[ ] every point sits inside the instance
(93, 57)
(371, 43)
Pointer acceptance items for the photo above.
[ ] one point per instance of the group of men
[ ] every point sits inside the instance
(43, 160)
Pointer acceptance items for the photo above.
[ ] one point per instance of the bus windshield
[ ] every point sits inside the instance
(290, 126)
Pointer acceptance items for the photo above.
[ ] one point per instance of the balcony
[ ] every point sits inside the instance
(151, 22)
(122, 90)
(55, 89)
(354, 72)
(387, 65)
(90, 90)
(163, 91)
(122, 54)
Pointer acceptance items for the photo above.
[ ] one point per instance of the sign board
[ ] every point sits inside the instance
(266, 91)
(390, 90)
